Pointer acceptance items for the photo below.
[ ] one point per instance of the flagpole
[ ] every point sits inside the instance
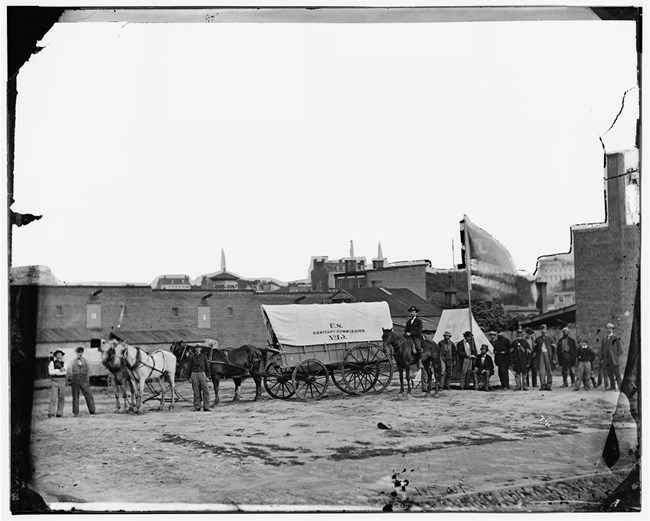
(468, 269)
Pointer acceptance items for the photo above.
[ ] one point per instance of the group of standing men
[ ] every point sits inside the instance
(529, 357)
(78, 374)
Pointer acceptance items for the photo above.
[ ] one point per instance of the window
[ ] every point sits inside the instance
(230, 311)
(59, 311)
(204, 318)
(93, 316)
(174, 312)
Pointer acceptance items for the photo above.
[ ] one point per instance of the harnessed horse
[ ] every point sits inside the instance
(160, 365)
(237, 363)
(119, 373)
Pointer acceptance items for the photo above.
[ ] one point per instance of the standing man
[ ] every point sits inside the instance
(520, 354)
(545, 358)
(81, 382)
(413, 330)
(610, 353)
(199, 371)
(532, 362)
(566, 352)
(448, 358)
(501, 347)
(466, 351)
(57, 369)
(585, 358)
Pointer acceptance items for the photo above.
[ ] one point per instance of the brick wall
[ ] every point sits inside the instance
(606, 265)
(152, 310)
(409, 277)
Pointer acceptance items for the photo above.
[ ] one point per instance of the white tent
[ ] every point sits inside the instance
(456, 321)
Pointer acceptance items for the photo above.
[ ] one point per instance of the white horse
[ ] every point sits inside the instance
(119, 373)
(159, 365)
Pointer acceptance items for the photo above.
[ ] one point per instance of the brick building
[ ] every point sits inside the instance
(78, 314)
(410, 275)
(607, 255)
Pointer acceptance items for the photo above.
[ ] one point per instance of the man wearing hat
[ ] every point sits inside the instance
(413, 331)
(520, 355)
(610, 353)
(501, 347)
(585, 357)
(545, 358)
(447, 358)
(566, 353)
(80, 381)
(57, 369)
(484, 368)
(466, 352)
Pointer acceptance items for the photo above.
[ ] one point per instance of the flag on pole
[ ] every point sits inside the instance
(487, 260)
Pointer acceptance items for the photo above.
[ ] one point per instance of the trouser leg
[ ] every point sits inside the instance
(54, 398)
(88, 396)
(75, 398)
(196, 390)
(205, 391)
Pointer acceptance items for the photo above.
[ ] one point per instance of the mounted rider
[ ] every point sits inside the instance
(413, 331)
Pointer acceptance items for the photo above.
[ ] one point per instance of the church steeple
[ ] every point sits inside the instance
(379, 262)
(223, 261)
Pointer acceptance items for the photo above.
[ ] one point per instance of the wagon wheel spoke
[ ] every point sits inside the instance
(276, 382)
(310, 379)
(366, 369)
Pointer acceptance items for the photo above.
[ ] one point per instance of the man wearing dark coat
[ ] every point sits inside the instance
(448, 358)
(566, 354)
(520, 356)
(501, 347)
(585, 357)
(484, 368)
(466, 352)
(610, 353)
(545, 359)
(199, 373)
(413, 330)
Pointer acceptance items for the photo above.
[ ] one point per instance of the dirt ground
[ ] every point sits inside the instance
(287, 454)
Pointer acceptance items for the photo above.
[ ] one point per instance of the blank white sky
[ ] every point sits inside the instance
(150, 147)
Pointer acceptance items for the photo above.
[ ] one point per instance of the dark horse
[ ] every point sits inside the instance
(401, 350)
(432, 365)
(237, 363)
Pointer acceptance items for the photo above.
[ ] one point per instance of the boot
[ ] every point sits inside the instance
(517, 382)
(564, 380)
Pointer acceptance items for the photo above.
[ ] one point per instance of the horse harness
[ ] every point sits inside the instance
(139, 362)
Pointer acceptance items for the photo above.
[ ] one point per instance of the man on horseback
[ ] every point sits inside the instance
(413, 331)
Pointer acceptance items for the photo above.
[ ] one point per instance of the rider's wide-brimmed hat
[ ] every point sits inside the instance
(492, 333)
(484, 346)
(413, 308)
(467, 333)
(58, 351)
(446, 333)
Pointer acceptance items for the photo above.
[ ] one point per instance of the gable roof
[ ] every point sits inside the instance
(224, 275)
(398, 299)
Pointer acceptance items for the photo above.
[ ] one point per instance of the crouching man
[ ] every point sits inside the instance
(484, 368)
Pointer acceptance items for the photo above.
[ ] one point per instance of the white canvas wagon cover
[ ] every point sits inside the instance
(308, 324)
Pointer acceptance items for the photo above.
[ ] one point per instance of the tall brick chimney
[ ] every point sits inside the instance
(542, 297)
(615, 191)
(450, 297)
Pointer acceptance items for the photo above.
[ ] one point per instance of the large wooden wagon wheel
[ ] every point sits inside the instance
(337, 380)
(366, 368)
(310, 380)
(277, 382)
